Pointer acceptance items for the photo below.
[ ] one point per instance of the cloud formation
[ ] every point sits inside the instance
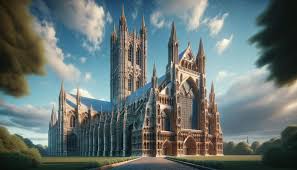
(190, 12)
(253, 106)
(88, 76)
(223, 44)
(85, 17)
(216, 24)
(26, 117)
(82, 92)
(55, 55)
(21, 49)
(158, 20)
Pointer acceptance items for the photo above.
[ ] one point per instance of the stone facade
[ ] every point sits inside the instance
(171, 115)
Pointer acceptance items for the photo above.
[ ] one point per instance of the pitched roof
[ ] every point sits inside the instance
(88, 102)
(140, 93)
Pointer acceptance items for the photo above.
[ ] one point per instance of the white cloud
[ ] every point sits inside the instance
(223, 74)
(84, 16)
(222, 45)
(256, 107)
(216, 24)
(108, 18)
(83, 59)
(190, 12)
(82, 92)
(158, 20)
(88, 76)
(137, 4)
(55, 55)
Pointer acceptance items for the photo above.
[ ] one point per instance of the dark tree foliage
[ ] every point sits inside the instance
(243, 148)
(277, 41)
(283, 154)
(14, 153)
(255, 146)
(21, 48)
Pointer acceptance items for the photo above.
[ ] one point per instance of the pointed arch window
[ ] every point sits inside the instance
(137, 83)
(138, 56)
(130, 53)
(130, 83)
(72, 121)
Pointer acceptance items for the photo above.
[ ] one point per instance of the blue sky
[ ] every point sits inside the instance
(77, 35)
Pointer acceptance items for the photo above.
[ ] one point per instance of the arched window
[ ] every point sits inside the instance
(72, 121)
(138, 57)
(137, 83)
(130, 53)
(130, 82)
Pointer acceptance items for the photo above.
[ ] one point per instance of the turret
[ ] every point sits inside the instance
(143, 37)
(200, 59)
(154, 78)
(212, 102)
(172, 46)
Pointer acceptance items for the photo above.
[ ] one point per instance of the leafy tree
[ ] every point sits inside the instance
(229, 148)
(255, 146)
(289, 137)
(272, 143)
(243, 148)
(277, 40)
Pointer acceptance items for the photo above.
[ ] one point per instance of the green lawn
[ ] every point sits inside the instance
(230, 162)
(77, 163)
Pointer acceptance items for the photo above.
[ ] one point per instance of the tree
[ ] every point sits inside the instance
(289, 137)
(277, 40)
(22, 51)
(229, 148)
(255, 146)
(243, 148)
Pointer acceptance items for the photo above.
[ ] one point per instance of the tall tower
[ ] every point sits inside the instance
(128, 58)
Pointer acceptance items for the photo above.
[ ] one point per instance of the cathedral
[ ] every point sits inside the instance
(169, 115)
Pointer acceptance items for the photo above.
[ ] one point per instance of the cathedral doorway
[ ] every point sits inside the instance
(71, 144)
(211, 150)
(167, 148)
(189, 146)
(129, 140)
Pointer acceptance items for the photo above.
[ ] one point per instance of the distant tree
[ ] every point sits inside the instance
(283, 152)
(243, 148)
(289, 137)
(276, 41)
(229, 148)
(255, 146)
(272, 143)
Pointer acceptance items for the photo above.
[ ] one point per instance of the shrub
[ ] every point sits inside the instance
(15, 160)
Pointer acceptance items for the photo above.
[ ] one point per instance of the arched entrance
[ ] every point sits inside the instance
(167, 148)
(189, 146)
(71, 144)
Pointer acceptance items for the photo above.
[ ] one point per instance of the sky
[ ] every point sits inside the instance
(76, 35)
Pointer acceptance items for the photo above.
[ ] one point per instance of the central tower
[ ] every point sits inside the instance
(128, 55)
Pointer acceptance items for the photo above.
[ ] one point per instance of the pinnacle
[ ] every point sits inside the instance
(201, 49)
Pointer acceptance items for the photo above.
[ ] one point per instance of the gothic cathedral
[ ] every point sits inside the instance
(170, 115)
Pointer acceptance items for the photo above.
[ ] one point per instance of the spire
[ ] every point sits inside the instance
(143, 22)
(201, 49)
(154, 70)
(123, 12)
(53, 116)
(77, 96)
(62, 86)
(154, 77)
(173, 32)
(212, 87)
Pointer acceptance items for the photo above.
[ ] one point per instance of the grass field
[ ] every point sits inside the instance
(230, 162)
(78, 163)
